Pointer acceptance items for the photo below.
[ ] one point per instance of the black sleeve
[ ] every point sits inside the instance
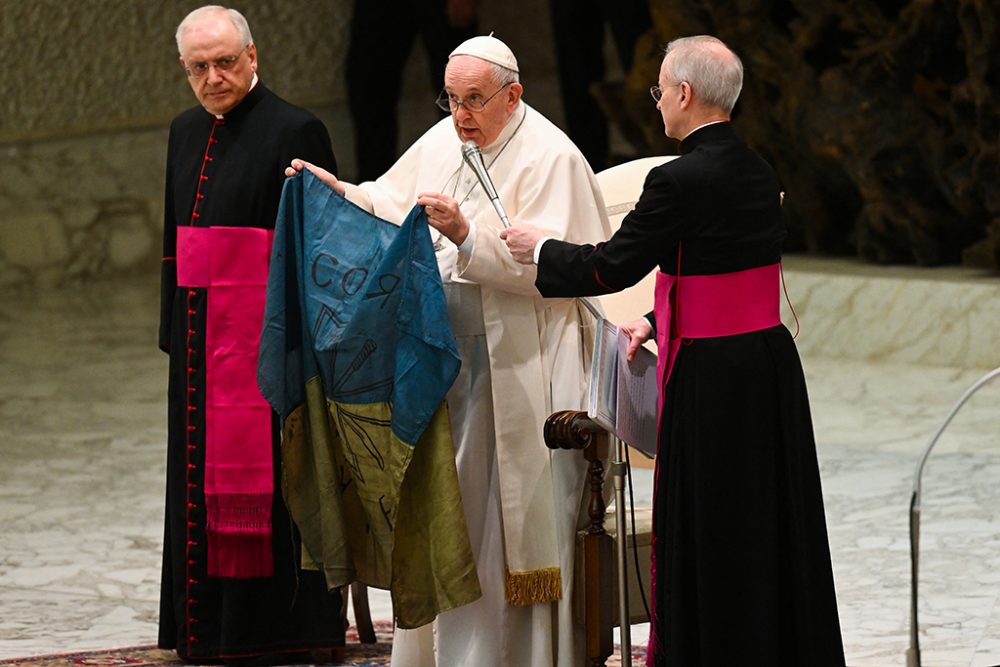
(648, 233)
(168, 263)
(309, 141)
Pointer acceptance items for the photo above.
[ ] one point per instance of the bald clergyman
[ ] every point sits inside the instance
(523, 357)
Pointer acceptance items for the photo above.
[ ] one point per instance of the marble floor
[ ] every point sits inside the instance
(82, 431)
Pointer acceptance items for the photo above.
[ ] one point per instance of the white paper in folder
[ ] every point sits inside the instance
(623, 395)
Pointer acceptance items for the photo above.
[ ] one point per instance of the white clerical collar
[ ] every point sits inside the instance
(714, 122)
(253, 82)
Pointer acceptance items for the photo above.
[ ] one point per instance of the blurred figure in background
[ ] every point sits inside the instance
(578, 28)
(382, 35)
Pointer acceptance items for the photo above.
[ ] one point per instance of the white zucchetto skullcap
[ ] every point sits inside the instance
(489, 48)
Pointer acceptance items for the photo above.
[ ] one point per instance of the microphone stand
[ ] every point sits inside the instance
(913, 653)
(618, 471)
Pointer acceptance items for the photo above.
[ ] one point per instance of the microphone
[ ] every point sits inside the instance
(474, 158)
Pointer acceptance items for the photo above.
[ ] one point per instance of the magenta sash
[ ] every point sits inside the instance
(231, 264)
(723, 304)
(709, 306)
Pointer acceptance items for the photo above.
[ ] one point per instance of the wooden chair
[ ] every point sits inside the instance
(596, 577)
(362, 613)
(596, 562)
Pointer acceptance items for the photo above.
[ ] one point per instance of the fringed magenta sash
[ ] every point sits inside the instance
(231, 264)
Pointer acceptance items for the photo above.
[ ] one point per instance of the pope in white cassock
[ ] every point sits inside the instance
(523, 357)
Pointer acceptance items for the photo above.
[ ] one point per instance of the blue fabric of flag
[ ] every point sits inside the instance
(359, 301)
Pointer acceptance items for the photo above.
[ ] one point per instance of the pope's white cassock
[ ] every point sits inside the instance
(523, 357)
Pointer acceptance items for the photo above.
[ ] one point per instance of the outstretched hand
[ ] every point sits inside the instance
(521, 241)
(321, 173)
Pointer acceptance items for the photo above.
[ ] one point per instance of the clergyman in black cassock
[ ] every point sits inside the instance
(232, 587)
(741, 562)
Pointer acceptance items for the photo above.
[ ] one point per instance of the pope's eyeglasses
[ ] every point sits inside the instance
(473, 103)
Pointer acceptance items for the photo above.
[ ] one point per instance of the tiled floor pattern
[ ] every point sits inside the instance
(82, 430)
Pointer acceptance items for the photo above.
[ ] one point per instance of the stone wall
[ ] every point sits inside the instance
(88, 66)
(89, 90)
(90, 86)
(77, 209)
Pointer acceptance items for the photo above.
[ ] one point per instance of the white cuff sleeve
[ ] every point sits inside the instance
(470, 240)
(538, 247)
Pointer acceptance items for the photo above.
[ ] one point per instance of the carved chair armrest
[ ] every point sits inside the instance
(572, 429)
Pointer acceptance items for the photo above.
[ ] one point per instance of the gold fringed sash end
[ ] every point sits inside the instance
(533, 586)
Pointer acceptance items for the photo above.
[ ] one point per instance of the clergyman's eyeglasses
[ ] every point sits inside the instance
(198, 70)
(657, 92)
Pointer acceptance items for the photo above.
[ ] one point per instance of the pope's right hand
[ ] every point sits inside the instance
(320, 173)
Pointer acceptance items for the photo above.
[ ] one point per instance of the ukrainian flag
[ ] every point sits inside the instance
(356, 357)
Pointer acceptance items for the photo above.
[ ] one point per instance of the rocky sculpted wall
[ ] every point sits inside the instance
(881, 116)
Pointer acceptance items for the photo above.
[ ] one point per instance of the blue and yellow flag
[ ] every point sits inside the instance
(356, 356)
